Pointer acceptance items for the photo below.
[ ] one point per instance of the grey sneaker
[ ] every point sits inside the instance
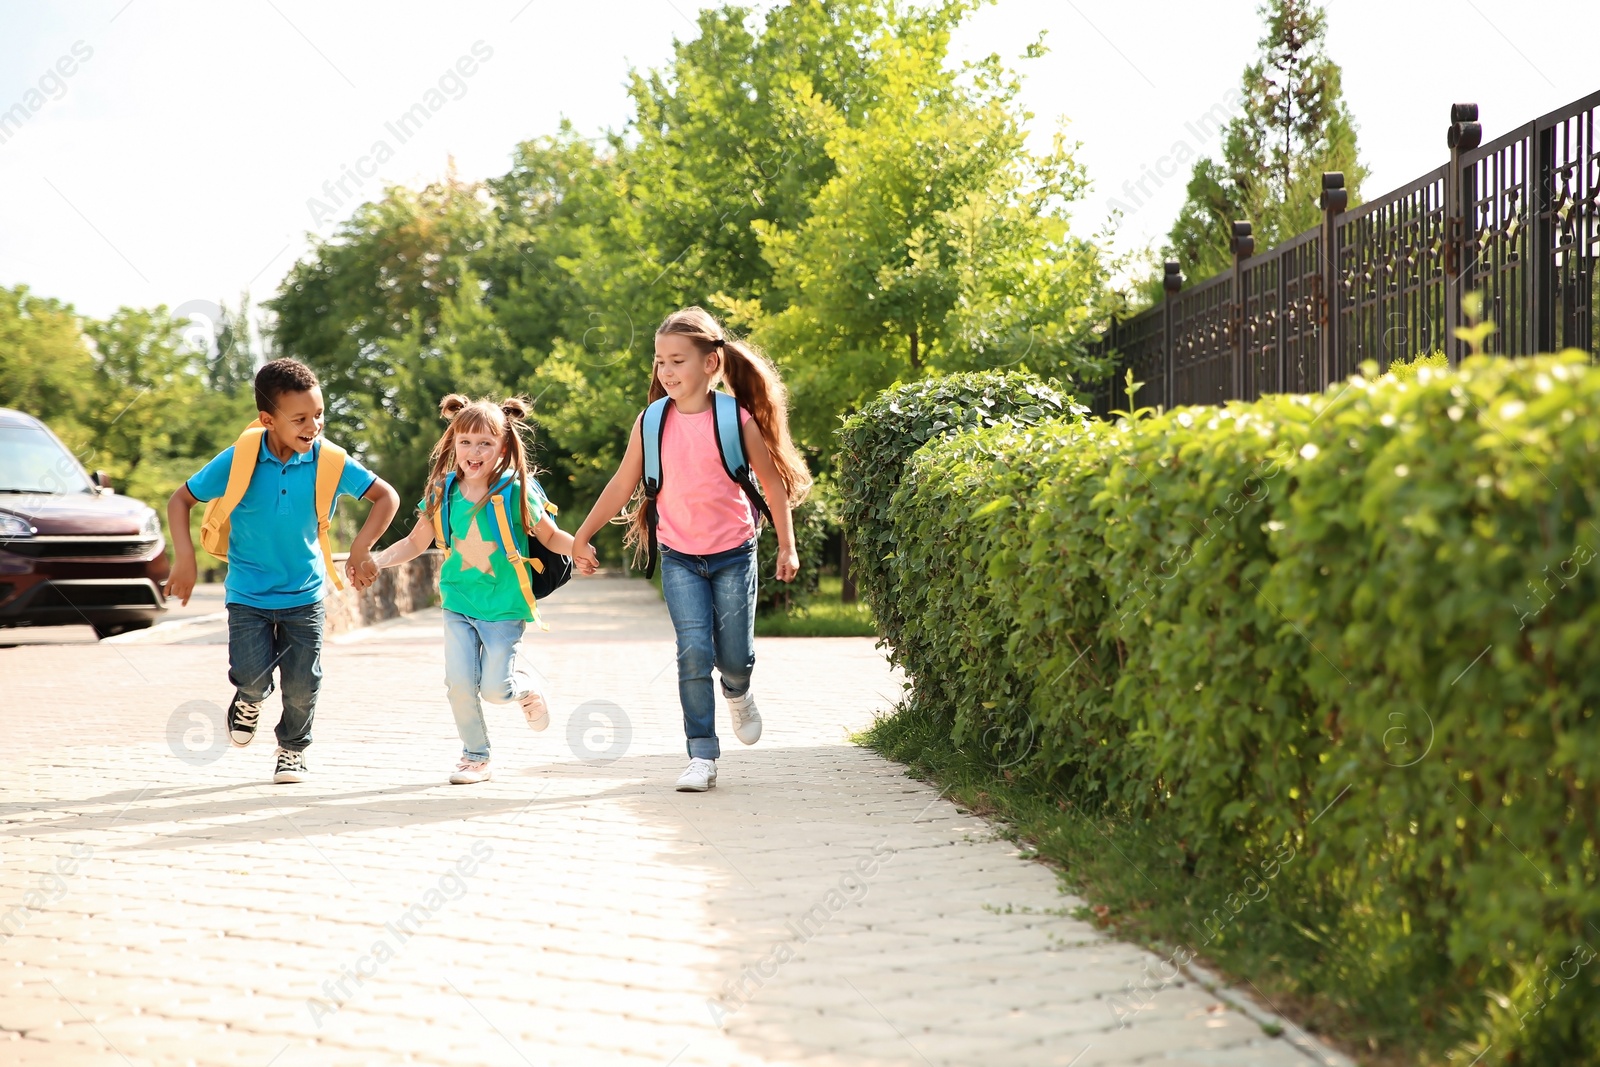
(700, 775)
(471, 771)
(242, 719)
(746, 719)
(291, 767)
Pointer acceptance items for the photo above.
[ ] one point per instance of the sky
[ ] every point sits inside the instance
(182, 153)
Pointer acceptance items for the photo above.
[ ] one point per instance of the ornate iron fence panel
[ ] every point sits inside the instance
(1569, 223)
(1501, 191)
(1202, 363)
(1516, 220)
(1140, 341)
(1391, 277)
(1282, 289)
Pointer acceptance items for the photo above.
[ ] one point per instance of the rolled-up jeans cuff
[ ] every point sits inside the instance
(705, 748)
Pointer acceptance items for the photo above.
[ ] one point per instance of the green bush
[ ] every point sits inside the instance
(876, 443)
(1406, 371)
(1355, 629)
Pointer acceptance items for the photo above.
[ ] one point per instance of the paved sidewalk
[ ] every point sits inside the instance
(162, 903)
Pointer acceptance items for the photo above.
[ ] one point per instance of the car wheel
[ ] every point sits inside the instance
(103, 630)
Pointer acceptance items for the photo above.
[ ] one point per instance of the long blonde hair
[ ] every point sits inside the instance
(506, 420)
(754, 382)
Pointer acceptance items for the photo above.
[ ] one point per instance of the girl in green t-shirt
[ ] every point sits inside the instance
(482, 460)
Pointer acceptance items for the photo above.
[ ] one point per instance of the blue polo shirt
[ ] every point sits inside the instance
(274, 558)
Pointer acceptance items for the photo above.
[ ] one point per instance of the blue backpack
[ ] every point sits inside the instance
(730, 449)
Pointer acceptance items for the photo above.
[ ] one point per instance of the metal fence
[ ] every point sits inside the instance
(1516, 219)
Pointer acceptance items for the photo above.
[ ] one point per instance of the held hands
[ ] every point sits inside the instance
(361, 570)
(584, 558)
(788, 563)
(180, 583)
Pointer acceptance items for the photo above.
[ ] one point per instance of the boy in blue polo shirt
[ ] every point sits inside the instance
(276, 574)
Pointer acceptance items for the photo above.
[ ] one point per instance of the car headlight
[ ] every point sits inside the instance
(151, 528)
(12, 527)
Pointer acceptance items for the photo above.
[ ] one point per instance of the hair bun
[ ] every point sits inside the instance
(514, 407)
(451, 405)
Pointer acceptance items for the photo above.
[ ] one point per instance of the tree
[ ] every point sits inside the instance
(821, 172)
(46, 369)
(941, 242)
(231, 358)
(388, 271)
(1295, 126)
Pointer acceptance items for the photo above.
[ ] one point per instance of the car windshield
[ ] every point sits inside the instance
(32, 461)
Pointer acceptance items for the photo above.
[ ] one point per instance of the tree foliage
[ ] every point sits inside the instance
(822, 174)
(130, 395)
(1295, 125)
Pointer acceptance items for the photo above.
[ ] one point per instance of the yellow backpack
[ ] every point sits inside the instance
(214, 525)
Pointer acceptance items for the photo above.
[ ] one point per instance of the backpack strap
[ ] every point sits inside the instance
(653, 425)
(441, 515)
(730, 447)
(330, 468)
(214, 526)
(509, 544)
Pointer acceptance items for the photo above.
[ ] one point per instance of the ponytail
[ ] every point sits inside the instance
(755, 383)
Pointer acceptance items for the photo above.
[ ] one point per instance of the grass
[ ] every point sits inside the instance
(1144, 888)
(826, 615)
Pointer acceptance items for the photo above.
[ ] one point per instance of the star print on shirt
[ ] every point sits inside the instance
(475, 551)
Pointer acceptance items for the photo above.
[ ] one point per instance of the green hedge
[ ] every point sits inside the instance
(876, 443)
(1359, 626)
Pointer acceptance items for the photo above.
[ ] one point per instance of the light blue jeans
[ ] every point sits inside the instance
(712, 601)
(483, 659)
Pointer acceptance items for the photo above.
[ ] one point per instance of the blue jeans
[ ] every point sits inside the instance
(712, 601)
(483, 659)
(289, 639)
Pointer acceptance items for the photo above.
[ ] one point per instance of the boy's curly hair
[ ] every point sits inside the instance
(282, 376)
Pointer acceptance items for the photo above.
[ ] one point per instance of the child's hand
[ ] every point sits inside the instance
(583, 555)
(180, 583)
(788, 563)
(361, 570)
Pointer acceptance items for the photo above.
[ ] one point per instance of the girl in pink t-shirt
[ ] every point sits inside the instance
(705, 522)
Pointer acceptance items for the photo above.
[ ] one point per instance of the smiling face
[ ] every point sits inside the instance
(683, 370)
(478, 452)
(294, 426)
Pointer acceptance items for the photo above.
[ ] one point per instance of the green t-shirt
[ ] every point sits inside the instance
(477, 580)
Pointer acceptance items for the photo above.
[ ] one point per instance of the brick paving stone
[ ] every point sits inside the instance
(162, 903)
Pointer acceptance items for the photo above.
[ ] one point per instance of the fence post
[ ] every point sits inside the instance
(1244, 246)
(1464, 135)
(1335, 197)
(1171, 282)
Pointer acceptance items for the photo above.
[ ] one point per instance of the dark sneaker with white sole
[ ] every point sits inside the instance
(242, 719)
(291, 767)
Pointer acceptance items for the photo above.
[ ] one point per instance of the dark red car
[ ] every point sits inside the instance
(71, 550)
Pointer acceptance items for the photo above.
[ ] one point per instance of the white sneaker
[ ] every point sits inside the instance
(471, 771)
(700, 775)
(746, 719)
(536, 711)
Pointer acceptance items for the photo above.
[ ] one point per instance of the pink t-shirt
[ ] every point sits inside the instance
(700, 510)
